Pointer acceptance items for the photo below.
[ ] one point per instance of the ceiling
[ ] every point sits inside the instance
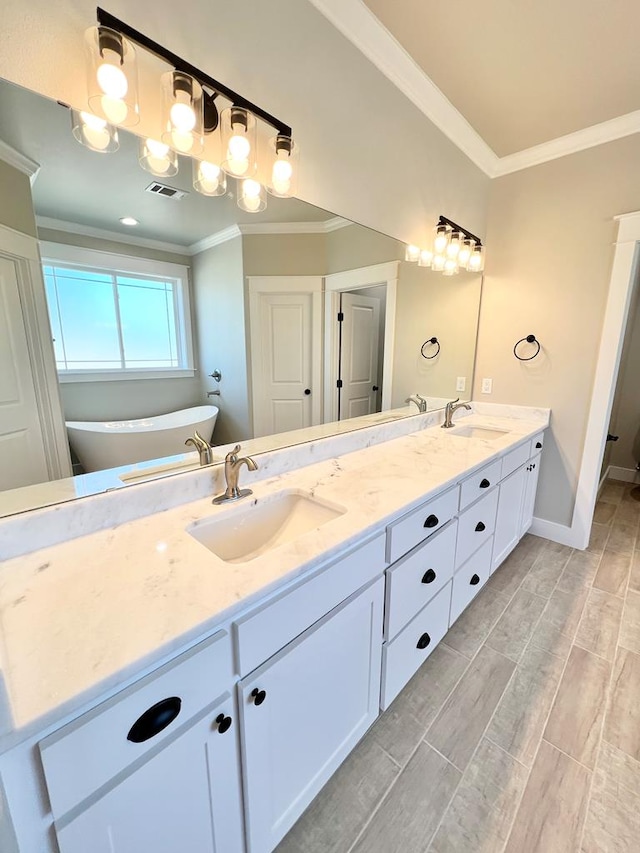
(524, 72)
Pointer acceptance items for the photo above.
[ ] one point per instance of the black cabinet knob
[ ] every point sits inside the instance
(429, 576)
(155, 719)
(431, 521)
(533, 466)
(258, 696)
(474, 580)
(307, 391)
(480, 526)
(224, 723)
(484, 484)
(538, 445)
(423, 642)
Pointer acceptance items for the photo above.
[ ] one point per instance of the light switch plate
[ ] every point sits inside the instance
(461, 383)
(487, 386)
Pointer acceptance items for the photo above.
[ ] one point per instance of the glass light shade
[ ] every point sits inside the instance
(239, 142)
(441, 239)
(94, 132)
(208, 179)
(182, 112)
(284, 166)
(465, 251)
(438, 262)
(156, 157)
(252, 196)
(476, 261)
(412, 254)
(112, 76)
(455, 244)
(426, 258)
(450, 266)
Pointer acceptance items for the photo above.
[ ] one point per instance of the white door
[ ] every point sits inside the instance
(187, 797)
(359, 331)
(285, 354)
(509, 517)
(304, 710)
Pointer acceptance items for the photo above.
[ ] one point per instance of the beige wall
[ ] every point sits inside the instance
(16, 210)
(354, 246)
(284, 254)
(115, 247)
(549, 256)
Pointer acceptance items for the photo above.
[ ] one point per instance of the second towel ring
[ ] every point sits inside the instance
(433, 341)
(530, 339)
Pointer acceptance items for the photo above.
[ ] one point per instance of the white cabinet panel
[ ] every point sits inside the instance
(469, 580)
(509, 518)
(532, 472)
(303, 712)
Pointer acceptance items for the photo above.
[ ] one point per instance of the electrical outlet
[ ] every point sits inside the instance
(487, 385)
(461, 383)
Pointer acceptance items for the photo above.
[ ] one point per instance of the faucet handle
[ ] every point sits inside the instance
(453, 402)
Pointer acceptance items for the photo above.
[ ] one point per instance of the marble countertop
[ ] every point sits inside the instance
(81, 617)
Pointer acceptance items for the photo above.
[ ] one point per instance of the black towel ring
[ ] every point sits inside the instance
(530, 339)
(426, 343)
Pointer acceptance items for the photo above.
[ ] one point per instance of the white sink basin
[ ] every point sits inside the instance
(261, 525)
(488, 433)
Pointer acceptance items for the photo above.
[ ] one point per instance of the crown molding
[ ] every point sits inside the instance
(215, 239)
(336, 224)
(19, 161)
(320, 227)
(361, 27)
(571, 143)
(116, 236)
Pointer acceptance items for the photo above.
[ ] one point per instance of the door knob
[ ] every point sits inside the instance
(307, 391)
(375, 388)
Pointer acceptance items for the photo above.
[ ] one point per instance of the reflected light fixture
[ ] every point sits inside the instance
(158, 158)
(94, 132)
(252, 196)
(412, 253)
(208, 178)
(112, 76)
(454, 248)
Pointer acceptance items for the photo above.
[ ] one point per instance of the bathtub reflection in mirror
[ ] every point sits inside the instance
(202, 303)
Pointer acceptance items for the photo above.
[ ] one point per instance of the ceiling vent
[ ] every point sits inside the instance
(165, 191)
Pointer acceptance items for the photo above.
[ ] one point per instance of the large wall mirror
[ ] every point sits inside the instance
(291, 322)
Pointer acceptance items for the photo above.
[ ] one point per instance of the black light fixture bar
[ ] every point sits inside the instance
(107, 20)
(444, 221)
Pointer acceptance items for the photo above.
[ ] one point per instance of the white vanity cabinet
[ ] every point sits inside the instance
(304, 710)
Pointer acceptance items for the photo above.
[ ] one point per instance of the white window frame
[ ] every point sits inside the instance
(57, 254)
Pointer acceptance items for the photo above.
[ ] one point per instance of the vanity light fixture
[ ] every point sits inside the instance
(158, 158)
(182, 112)
(94, 132)
(426, 258)
(412, 253)
(454, 248)
(112, 76)
(209, 179)
(284, 167)
(239, 142)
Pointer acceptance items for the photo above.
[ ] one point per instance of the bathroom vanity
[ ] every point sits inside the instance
(208, 668)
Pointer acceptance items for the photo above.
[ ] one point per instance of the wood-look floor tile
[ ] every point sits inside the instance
(613, 491)
(460, 724)
(583, 563)
(337, 815)
(598, 629)
(510, 574)
(613, 572)
(403, 724)
(604, 512)
(483, 808)
(613, 818)
(563, 613)
(550, 638)
(521, 715)
(630, 627)
(552, 811)
(511, 633)
(598, 538)
(411, 811)
(620, 767)
(622, 723)
(634, 578)
(575, 722)
(629, 511)
(622, 537)
(546, 570)
(472, 628)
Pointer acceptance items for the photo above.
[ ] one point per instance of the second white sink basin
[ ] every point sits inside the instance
(488, 433)
(258, 526)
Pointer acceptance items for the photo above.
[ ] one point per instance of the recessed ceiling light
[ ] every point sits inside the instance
(129, 220)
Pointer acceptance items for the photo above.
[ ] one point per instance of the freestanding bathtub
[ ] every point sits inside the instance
(101, 445)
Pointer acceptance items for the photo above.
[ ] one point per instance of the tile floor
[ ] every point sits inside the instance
(521, 732)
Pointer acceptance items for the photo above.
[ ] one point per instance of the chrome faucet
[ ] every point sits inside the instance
(232, 465)
(202, 446)
(449, 409)
(420, 402)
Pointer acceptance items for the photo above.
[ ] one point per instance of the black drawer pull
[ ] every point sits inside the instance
(155, 719)
(538, 445)
(429, 576)
(480, 526)
(423, 642)
(258, 696)
(474, 580)
(431, 521)
(224, 723)
(484, 484)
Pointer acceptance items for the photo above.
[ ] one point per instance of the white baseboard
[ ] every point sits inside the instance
(627, 475)
(560, 533)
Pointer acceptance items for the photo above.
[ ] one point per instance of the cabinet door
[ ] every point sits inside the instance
(187, 796)
(533, 471)
(304, 710)
(509, 518)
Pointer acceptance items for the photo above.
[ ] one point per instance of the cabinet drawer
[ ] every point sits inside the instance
(515, 458)
(267, 629)
(90, 751)
(403, 656)
(469, 580)
(408, 531)
(476, 526)
(414, 580)
(479, 483)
